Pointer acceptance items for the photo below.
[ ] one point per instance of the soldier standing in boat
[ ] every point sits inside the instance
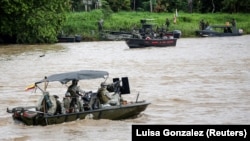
(202, 24)
(167, 23)
(233, 22)
(75, 92)
(206, 24)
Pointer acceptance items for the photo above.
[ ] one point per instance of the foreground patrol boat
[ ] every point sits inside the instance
(46, 111)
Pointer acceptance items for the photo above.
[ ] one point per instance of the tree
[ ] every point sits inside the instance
(210, 6)
(33, 21)
(213, 6)
(190, 6)
(234, 6)
(118, 5)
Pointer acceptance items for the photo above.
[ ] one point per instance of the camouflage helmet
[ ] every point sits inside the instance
(104, 84)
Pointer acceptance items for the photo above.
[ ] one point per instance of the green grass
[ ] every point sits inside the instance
(85, 23)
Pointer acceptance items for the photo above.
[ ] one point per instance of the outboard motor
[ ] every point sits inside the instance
(177, 33)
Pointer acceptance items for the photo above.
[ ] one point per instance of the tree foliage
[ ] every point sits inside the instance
(199, 6)
(119, 5)
(234, 6)
(32, 21)
(40, 21)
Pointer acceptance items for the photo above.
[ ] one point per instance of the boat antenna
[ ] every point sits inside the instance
(137, 97)
(45, 83)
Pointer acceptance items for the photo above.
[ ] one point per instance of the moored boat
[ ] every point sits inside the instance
(115, 35)
(68, 39)
(49, 110)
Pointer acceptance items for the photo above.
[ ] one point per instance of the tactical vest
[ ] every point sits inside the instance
(102, 95)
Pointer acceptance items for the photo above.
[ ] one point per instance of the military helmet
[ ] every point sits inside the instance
(104, 84)
(75, 81)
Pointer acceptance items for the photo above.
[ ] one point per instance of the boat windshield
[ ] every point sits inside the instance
(209, 28)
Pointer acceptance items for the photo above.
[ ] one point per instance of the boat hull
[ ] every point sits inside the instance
(110, 112)
(215, 34)
(141, 43)
(66, 39)
(219, 31)
(115, 35)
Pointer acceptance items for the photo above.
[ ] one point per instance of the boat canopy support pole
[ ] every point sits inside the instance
(137, 97)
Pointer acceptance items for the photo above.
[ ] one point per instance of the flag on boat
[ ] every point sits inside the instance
(175, 16)
(30, 87)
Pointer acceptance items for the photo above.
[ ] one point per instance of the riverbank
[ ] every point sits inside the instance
(85, 23)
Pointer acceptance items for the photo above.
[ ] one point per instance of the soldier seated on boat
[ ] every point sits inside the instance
(227, 30)
(58, 105)
(75, 93)
(105, 97)
(47, 103)
(66, 104)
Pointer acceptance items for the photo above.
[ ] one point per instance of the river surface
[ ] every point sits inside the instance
(200, 81)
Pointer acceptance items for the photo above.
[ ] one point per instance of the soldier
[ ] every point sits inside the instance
(233, 22)
(167, 23)
(103, 93)
(75, 92)
(207, 24)
(106, 98)
(58, 105)
(202, 24)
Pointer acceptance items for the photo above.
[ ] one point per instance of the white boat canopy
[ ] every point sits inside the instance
(75, 75)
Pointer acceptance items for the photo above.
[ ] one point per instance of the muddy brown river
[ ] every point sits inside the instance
(200, 81)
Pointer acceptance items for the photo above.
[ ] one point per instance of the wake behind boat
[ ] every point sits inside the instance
(92, 105)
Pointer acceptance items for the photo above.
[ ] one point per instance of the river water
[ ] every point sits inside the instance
(200, 81)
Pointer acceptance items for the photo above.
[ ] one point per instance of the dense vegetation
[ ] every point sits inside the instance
(32, 21)
(41, 21)
(196, 6)
(85, 23)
